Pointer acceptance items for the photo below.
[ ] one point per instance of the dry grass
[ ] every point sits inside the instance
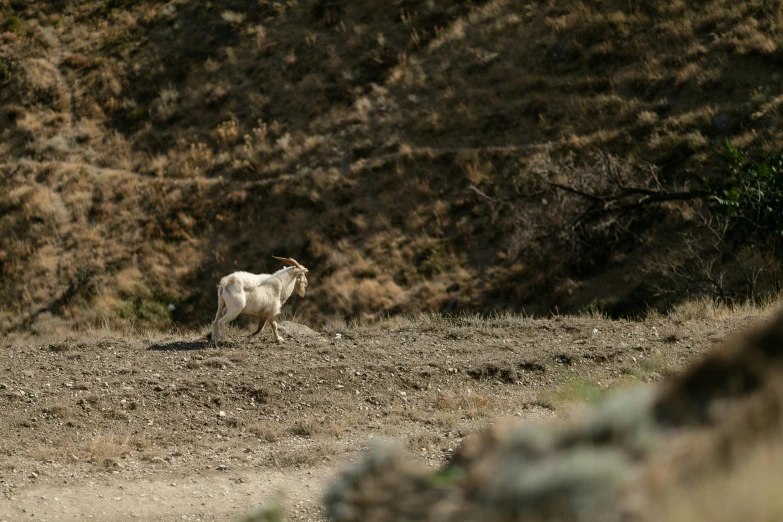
(467, 404)
(303, 456)
(102, 448)
(267, 429)
(750, 492)
(573, 392)
(710, 309)
(60, 410)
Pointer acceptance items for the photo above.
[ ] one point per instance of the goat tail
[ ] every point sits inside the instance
(230, 284)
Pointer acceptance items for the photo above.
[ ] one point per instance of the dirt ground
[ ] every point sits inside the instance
(147, 426)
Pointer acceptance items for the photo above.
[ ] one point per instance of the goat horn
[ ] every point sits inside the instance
(289, 261)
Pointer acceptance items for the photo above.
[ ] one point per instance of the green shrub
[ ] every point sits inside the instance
(12, 23)
(750, 196)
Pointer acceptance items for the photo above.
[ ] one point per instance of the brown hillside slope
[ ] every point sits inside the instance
(402, 150)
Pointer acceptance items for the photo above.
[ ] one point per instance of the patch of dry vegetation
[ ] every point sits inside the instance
(750, 492)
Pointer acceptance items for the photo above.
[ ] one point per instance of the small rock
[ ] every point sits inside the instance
(339, 387)
(222, 413)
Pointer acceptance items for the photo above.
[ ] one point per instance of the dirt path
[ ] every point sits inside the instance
(200, 497)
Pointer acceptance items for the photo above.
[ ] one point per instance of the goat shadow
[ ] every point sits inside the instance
(181, 346)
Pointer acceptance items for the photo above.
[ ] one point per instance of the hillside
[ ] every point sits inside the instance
(407, 152)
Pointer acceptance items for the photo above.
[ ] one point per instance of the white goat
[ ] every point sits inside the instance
(262, 295)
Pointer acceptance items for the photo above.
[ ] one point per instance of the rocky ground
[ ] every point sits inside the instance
(146, 426)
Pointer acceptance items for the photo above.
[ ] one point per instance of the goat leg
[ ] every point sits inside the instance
(273, 323)
(261, 326)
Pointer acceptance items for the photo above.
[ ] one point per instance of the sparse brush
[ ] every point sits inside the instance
(59, 410)
(217, 362)
(105, 446)
(268, 430)
(572, 392)
(310, 454)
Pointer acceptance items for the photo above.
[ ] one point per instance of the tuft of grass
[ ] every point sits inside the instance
(59, 410)
(268, 430)
(307, 455)
(467, 403)
(647, 118)
(217, 362)
(656, 365)
(573, 391)
(106, 446)
(425, 442)
(303, 428)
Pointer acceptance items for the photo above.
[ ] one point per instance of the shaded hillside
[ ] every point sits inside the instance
(404, 151)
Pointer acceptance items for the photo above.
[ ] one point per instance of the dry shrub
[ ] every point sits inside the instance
(314, 426)
(303, 428)
(104, 446)
(310, 454)
(217, 362)
(268, 429)
(43, 83)
(376, 294)
(362, 295)
(751, 37)
(40, 202)
(59, 410)
(127, 279)
(467, 402)
(425, 442)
